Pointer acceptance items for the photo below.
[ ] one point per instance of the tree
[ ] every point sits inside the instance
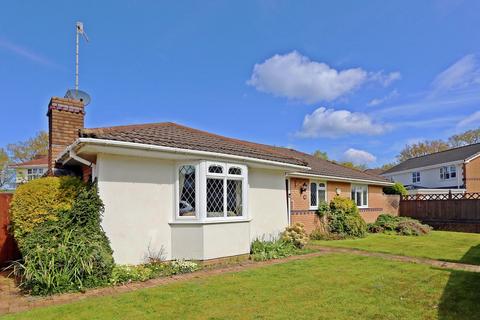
(387, 166)
(421, 149)
(466, 138)
(27, 150)
(6, 174)
(320, 154)
(352, 165)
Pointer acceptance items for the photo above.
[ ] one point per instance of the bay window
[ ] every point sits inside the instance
(318, 194)
(360, 195)
(211, 191)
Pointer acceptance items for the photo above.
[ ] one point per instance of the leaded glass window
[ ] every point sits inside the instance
(186, 186)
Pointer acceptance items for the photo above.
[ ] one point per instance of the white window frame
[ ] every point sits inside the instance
(363, 187)
(447, 170)
(317, 183)
(201, 176)
(416, 176)
(177, 190)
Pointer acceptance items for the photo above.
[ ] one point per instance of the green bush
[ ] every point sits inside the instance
(397, 188)
(344, 218)
(40, 200)
(386, 223)
(271, 249)
(122, 274)
(296, 235)
(70, 252)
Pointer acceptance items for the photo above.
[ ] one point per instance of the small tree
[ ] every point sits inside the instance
(397, 188)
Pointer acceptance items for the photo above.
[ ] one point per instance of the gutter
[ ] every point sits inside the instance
(341, 179)
(73, 155)
(147, 147)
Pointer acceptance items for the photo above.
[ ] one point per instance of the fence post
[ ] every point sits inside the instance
(450, 194)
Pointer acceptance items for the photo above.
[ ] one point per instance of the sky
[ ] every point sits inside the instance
(357, 79)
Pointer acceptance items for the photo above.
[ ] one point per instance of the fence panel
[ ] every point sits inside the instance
(8, 246)
(444, 212)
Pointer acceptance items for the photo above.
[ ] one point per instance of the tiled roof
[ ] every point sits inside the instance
(177, 136)
(168, 134)
(329, 168)
(40, 161)
(451, 155)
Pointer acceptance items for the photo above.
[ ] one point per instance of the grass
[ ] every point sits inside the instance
(334, 286)
(439, 245)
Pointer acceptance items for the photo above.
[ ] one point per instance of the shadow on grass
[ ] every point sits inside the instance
(461, 296)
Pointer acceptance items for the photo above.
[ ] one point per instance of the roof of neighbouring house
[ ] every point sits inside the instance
(41, 161)
(375, 172)
(451, 155)
(170, 134)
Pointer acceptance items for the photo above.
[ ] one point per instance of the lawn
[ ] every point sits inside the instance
(440, 245)
(333, 286)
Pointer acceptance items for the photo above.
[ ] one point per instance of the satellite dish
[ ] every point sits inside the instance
(78, 95)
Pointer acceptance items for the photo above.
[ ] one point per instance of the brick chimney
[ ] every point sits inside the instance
(65, 118)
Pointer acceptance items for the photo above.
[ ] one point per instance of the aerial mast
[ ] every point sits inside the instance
(79, 31)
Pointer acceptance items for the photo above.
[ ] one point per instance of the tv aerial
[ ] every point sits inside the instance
(76, 93)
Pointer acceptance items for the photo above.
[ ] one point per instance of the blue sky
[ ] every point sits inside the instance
(358, 79)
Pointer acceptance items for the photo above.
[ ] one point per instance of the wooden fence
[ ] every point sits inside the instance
(8, 246)
(453, 212)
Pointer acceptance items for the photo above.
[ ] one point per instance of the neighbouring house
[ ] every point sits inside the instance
(30, 170)
(455, 170)
(193, 194)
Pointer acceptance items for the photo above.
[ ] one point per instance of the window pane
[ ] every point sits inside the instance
(215, 169)
(234, 198)
(186, 182)
(358, 197)
(235, 171)
(321, 186)
(313, 194)
(321, 196)
(215, 197)
(365, 197)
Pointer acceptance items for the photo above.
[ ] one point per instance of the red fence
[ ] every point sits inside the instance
(452, 212)
(8, 247)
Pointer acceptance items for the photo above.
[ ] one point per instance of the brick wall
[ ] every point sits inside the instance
(300, 202)
(472, 175)
(65, 118)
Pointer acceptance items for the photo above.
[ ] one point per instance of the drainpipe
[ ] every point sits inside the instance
(92, 165)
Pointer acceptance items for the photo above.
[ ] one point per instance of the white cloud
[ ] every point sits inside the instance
(332, 123)
(23, 52)
(377, 101)
(358, 156)
(385, 79)
(297, 77)
(461, 74)
(472, 121)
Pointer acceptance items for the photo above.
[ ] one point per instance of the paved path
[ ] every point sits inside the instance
(11, 299)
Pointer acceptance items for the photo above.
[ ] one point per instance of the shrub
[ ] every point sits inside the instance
(344, 218)
(271, 249)
(296, 235)
(398, 225)
(70, 252)
(122, 274)
(40, 200)
(397, 188)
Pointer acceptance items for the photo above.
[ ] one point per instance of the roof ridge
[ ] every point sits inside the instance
(450, 149)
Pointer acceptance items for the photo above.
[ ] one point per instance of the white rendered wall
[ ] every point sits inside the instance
(138, 198)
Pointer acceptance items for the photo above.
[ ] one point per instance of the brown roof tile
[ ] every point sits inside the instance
(170, 134)
(40, 161)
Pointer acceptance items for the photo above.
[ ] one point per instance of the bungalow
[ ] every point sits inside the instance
(192, 194)
(30, 170)
(455, 170)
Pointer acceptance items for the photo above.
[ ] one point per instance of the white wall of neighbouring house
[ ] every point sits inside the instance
(138, 198)
(429, 178)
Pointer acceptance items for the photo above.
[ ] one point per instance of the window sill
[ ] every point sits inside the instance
(201, 222)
